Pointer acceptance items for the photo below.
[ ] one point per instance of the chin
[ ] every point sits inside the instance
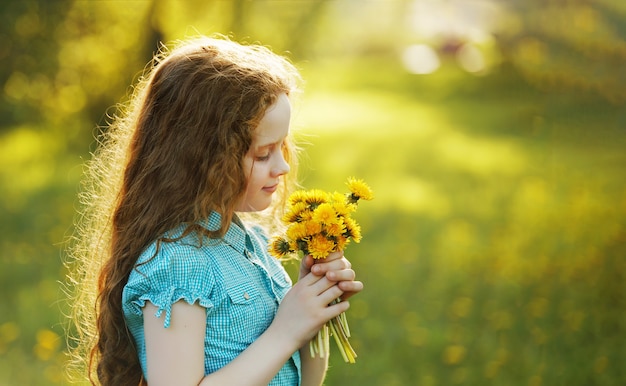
(253, 208)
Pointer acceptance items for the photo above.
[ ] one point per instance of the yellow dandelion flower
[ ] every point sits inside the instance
(279, 247)
(359, 190)
(337, 197)
(295, 212)
(342, 207)
(312, 227)
(306, 215)
(325, 214)
(296, 231)
(320, 247)
(342, 242)
(297, 197)
(353, 229)
(335, 229)
(315, 197)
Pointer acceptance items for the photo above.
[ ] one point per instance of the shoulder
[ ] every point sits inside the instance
(169, 271)
(173, 256)
(183, 264)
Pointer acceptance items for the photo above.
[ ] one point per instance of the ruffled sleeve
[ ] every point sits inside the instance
(177, 271)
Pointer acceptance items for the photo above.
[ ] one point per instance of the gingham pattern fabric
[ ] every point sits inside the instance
(238, 283)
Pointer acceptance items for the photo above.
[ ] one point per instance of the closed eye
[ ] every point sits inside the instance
(270, 149)
(263, 158)
(265, 153)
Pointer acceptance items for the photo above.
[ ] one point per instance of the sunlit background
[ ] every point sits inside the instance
(493, 133)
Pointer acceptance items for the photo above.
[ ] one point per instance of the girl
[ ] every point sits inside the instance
(186, 292)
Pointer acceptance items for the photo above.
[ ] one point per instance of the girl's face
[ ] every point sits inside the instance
(264, 161)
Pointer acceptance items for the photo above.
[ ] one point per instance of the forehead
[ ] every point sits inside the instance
(274, 126)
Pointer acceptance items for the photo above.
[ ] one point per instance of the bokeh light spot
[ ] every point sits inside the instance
(420, 59)
(471, 59)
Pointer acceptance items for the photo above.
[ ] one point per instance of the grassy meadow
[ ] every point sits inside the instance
(493, 253)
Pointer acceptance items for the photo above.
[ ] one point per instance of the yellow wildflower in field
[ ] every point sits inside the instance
(319, 223)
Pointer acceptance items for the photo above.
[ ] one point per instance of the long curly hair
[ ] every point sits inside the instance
(171, 156)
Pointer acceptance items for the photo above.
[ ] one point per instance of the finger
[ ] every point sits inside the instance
(325, 266)
(310, 279)
(330, 294)
(322, 285)
(342, 275)
(350, 288)
(336, 309)
(335, 256)
(305, 265)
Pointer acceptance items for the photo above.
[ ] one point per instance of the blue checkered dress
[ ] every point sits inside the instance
(234, 278)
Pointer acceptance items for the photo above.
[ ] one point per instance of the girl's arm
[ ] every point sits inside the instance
(179, 347)
(176, 355)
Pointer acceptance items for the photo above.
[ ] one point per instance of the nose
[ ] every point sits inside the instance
(281, 167)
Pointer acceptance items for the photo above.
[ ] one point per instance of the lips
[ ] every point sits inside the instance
(270, 189)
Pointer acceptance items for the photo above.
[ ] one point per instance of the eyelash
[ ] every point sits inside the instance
(266, 157)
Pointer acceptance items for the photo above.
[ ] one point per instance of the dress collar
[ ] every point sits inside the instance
(236, 235)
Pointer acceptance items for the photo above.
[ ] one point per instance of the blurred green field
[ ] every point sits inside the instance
(493, 254)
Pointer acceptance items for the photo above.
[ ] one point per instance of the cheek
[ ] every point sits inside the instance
(255, 177)
(249, 167)
(247, 164)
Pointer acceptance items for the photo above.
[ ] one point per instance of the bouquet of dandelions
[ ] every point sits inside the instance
(319, 223)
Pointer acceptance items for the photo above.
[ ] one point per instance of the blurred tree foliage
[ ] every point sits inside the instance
(65, 60)
(503, 207)
(26, 54)
(577, 45)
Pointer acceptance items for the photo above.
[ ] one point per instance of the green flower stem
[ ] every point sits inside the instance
(344, 323)
(326, 339)
(338, 328)
(339, 343)
(342, 335)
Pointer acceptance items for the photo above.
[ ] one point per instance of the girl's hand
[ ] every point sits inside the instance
(337, 269)
(305, 308)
